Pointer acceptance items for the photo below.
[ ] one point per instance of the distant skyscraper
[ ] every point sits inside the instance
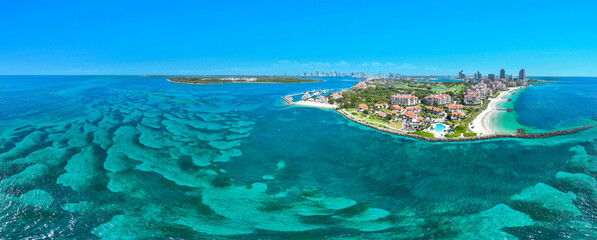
(461, 74)
(503, 74)
(522, 74)
(491, 76)
(510, 77)
(478, 75)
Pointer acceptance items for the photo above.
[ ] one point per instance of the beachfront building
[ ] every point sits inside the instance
(438, 99)
(434, 110)
(406, 100)
(454, 108)
(481, 89)
(457, 115)
(497, 86)
(485, 92)
(522, 82)
(472, 98)
(510, 84)
(362, 107)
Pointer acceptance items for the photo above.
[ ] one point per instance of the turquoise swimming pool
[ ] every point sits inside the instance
(439, 127)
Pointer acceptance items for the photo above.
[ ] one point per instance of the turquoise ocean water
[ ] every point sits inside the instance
(564, 102)
(130, 157)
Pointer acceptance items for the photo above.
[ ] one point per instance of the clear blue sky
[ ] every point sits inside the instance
(557, 38)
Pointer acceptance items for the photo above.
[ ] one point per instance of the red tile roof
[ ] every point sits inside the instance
(453, 106)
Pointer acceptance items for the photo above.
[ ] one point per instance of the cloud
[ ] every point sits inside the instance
(342, 64)
(406, 66)
(387, 66)
(286, 62)
(372, 64)
(303, 65)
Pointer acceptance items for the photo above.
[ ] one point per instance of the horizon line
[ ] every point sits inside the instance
(167, 75)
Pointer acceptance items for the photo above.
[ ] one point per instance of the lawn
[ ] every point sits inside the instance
(375, 119)
(396, 125)
(424, 134)
(358, 115)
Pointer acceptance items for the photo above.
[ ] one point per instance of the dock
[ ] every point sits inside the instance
(288, 99)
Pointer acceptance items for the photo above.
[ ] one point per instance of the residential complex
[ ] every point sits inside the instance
(438, 99)
(406, 100)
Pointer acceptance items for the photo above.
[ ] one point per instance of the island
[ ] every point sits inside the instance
(432, 111)
(202, 80)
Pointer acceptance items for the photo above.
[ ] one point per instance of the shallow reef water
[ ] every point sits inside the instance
(132, 157)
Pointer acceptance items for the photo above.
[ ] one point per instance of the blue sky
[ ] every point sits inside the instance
(557, 38)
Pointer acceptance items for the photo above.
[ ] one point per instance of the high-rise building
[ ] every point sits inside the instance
(521, 74)
(510, 78)
(491, 76)
(461, 75)
(503, 74)
(478, 75)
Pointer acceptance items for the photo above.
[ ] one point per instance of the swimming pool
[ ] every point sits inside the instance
(439, 127)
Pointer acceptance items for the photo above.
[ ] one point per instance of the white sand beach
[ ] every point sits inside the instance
(483, 124)
(315, 104)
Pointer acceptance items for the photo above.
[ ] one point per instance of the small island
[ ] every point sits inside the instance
(430, 111)
(203, 80)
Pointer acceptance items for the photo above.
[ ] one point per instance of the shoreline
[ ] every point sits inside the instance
(467, 139)
(234, 81)
(168, 79)
(483, 123)
(314, 104)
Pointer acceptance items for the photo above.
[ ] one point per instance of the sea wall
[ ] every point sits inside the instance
(467, 139)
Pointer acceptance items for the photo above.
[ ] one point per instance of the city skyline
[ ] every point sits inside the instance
(272, 38)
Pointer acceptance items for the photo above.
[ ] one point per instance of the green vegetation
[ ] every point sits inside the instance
(452, 135)
(472, 112)
(421, 133)
(238, 79)
(470, 134)
(370, 96)
(460, 130)
(384, 89)
(376, 119)
(379, 91)
(379, 125)
(358, 115)
(429, 115)
(396, 124)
